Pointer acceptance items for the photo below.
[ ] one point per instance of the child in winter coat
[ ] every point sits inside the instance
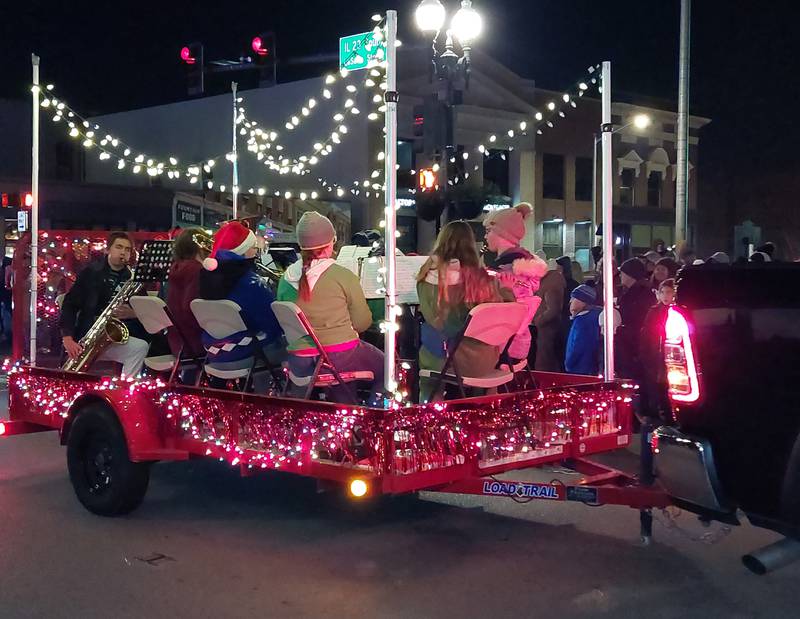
(332, 299)
(517, 269)
(449, 285)
(584, 334)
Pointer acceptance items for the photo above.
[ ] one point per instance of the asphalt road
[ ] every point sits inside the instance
(207, 543)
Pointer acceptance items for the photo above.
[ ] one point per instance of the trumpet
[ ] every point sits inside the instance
(205, 244)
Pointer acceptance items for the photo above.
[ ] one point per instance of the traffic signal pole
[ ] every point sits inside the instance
(34, 271)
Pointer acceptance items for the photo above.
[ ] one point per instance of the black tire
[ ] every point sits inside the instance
(106, 482)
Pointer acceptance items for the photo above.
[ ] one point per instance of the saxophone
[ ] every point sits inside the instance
(105, 331)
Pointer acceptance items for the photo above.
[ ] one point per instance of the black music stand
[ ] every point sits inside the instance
(154, 263)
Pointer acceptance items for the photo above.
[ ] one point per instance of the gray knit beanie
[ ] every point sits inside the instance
(314, 231)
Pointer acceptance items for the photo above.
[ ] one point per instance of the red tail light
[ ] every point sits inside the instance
(680, 359)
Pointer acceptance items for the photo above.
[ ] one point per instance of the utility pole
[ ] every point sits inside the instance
(682, 178)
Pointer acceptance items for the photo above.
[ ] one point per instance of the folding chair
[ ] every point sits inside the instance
(221, 320)
(493, 324)
(295, 325)
(152, 312)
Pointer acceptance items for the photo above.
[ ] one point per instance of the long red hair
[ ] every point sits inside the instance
(456, 241)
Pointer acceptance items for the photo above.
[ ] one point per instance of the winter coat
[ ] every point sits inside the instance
(183, 287)
(583, 343)
(234, 279)
(549, 333)
(653, 378)
(337, 308)
(441, 327)
(89, 296)
(520, 272)
(633, 306)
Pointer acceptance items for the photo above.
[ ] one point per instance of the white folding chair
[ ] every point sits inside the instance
(221, 319)
(493, 324)
(295, 325)
(154, 316)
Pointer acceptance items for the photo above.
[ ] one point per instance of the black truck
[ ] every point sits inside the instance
(732, 352)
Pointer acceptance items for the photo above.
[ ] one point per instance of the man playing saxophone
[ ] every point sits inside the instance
(94, 288)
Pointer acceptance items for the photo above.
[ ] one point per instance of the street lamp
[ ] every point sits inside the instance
(641, 122)
(450, 61)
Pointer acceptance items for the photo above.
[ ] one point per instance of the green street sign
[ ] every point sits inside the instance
(356, 51)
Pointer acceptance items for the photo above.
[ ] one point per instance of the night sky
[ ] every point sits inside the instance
(109, 56)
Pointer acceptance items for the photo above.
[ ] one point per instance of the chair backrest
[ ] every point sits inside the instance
(294, 323)
(220, 318)
(495, 323)
(151, 312)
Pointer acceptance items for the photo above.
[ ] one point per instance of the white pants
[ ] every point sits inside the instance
(131, 355)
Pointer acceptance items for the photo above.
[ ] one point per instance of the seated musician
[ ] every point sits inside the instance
(449, 285)
(229, 273)
(91, 293)
(183, 286)
(332, 299)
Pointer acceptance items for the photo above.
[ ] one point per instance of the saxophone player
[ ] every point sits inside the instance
(91, 293)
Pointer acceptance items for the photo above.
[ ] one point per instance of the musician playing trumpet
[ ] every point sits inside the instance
(229, 273)
(91, 293)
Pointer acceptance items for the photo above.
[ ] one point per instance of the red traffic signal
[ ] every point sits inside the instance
(16, 200)
(186, 55)
(258, 46)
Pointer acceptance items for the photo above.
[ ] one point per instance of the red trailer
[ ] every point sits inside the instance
(115, 429)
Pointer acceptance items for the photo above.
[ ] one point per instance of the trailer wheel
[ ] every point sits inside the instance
(106, 482)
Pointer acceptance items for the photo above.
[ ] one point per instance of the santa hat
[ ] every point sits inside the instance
(509, 223)
(232, 238)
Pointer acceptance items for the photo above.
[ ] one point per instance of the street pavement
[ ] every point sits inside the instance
(208, 543)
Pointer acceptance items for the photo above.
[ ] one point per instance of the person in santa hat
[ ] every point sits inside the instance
(229, 273)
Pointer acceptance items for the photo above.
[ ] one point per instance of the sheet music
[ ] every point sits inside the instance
(407, 269)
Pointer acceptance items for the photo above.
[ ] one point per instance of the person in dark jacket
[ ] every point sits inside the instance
(634, 302)
(91, 293)
(583, 343)
(653, 393)
(229, 274)
(666, 268)
(549, 325)
(565, 264)
(183, 287)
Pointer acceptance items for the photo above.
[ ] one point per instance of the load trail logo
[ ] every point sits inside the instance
(522, 490)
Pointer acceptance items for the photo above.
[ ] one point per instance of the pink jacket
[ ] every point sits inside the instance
(520, 271)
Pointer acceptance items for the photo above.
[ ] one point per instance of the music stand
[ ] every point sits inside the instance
(154, 263)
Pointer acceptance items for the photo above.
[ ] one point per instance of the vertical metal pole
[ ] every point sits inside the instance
(34, 273)
(608, 227)
(390, 158)
(682, 179)
(593, 236)
(235, 157)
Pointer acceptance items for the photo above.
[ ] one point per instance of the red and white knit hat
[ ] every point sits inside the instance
(232, 237)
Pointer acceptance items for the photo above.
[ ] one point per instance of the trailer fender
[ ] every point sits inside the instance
(145, 435)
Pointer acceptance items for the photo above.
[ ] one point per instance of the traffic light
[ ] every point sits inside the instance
(428, 180)
(21, 200)
(192, 59)
(264, 56)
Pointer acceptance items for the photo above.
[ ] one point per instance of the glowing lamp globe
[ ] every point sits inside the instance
(641, 121)
(467, 23)
(430, 16)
